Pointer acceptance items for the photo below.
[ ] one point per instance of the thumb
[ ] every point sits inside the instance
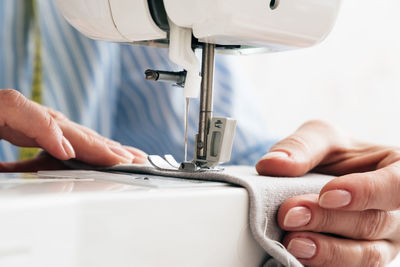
(302, 151)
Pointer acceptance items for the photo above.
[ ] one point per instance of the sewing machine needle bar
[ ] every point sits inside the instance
(206, 94)
(186, 128)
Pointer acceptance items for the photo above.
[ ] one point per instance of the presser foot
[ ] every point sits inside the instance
(168, 163)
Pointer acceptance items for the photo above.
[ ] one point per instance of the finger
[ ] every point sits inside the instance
(42, 162)
(93, 149)
(302, 213)
(140, 156)
(361, 157)
(87, 131)
(302, 151)
(362, 191)
(318, 250)
(35, 122)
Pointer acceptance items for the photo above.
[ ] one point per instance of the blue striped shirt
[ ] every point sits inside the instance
(101, 85)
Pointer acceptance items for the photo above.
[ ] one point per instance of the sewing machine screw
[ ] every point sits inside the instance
(200, 144)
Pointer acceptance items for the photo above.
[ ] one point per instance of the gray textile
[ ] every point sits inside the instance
(265, 193)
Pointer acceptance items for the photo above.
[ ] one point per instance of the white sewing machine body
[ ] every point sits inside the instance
(276, 24)
(134, 222)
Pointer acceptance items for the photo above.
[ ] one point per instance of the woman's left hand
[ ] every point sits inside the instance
(355, 219)
(27, 124)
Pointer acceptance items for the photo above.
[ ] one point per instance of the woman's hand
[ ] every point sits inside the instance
(355, 219)
(27, 124)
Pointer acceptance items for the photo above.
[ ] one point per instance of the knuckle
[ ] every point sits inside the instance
(372, 256)
(339, 139)
(111, 142)
(393, 176)
(391, 158)
(51, 124)
(371, 224)
(332, 256)
(89, 140)
(319, 123)
(395, 180)
(395, 154)
(47, 121)
(325, 221)
(56, 114)
(11, 98)
(392, 185)
(321, 126)
(296, 141)
(300, 144)
(368, 194)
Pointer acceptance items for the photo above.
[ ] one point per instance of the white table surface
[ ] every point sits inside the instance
(95, 221)
(135, 222)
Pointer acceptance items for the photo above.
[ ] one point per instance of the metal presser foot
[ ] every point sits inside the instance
(168, 163)
(214, 140)
(217, 150)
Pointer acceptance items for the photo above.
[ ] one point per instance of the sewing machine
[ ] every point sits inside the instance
(234, 26)
(105, 219)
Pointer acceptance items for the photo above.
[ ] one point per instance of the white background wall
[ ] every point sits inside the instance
(352, 79)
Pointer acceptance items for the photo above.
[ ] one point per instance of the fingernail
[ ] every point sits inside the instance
(296, 217)
(275, 154)
(122, 153)
(302, 248)
(335, 199)
(68, 149)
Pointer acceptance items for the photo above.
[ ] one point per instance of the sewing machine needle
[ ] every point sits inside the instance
(186, 127)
